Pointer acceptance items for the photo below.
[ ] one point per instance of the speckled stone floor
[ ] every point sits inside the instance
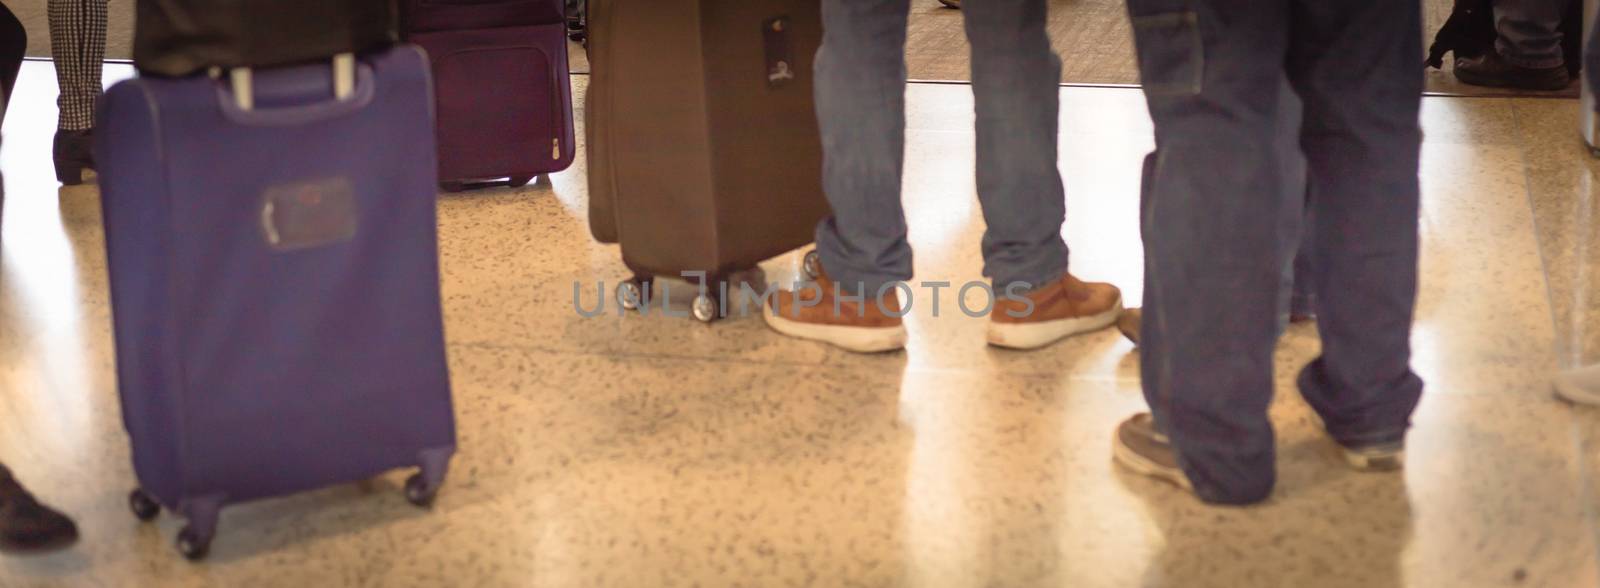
(656, 452)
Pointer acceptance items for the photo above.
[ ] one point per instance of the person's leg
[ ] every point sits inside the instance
(1298, 302)
(1354, 63)
(1213, 76)
(1529, 32)
(1528, 53)
(862, 249)
(860, 93)
(78, 46)
(1302, 298)
(1016, 89)
(13, 47)
(1016, 86)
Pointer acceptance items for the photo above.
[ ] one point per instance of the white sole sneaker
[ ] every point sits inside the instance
(857, 339)
(1376, 459)
(1035, 335)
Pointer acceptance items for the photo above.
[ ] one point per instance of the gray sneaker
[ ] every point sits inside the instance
(1140, 448)
(1380, 457)
(1375, 457)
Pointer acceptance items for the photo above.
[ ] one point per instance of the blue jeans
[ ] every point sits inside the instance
(1529, 31)
(860, 92)
(1217, 192)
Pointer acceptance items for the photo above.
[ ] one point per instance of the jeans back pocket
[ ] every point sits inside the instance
(1171, 55)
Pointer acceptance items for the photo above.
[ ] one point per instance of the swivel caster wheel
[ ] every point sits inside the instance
(812, 265)
(520, 181)
(418, 493)
(192, 545)
(143, 506)
(630, 295)
(706, 308)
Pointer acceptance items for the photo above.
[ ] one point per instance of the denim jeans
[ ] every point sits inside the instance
(1530, 34)
(860, 92)
(1218, 191)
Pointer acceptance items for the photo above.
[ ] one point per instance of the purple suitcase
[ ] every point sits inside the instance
(502, 86)
(275, 285)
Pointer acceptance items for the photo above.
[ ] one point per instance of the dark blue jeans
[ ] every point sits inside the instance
(1217, 192)
(861, 86)
(1530, 33)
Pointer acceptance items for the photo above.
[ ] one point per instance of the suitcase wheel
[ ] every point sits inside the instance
(707, 309)
(143, 506)
(520, 181)
(812, 266)
(192, 544)
(630, 293)
(418, 492)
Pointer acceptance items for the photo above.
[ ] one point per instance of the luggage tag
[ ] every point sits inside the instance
(780, 52)
(306, 215)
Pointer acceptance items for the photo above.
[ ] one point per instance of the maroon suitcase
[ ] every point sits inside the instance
(502, 88)
(427, 16)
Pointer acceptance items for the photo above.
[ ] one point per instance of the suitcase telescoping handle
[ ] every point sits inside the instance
(344, 81)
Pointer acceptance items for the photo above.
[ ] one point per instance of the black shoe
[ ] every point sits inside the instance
(74, 153)
(27, 526)
(1494, 71)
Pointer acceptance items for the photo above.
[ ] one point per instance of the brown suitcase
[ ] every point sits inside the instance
(703, 150)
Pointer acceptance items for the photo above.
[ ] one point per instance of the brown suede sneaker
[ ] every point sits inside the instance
(1140, 448)
(860, 326)
(1060, 309)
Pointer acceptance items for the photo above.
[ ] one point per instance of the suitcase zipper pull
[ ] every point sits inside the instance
(555, 149)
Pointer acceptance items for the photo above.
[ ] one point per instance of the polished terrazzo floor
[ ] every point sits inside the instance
(654, 451)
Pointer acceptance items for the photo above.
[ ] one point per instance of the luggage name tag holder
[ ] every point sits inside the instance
(307, 214)
(779, 52)
(310, 214)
